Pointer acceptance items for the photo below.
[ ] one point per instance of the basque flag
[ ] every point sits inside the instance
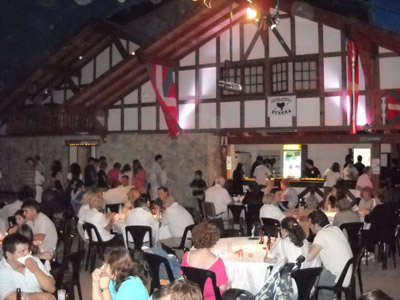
(353, 80)
(162, 79)
(393, 110)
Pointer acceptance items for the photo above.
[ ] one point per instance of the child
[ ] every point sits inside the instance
(198, 185)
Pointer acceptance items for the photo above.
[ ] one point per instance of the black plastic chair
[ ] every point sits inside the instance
(155, 261)
(67, 275)
(353, 231)
(338, 287)
(182, 246)
(167, 249)
(200, 276)
(209, 210)
(236, 211)
(94, 246)
(114, 208)
(201, 208)
(271, 227)
(138, 233)
(306, 279)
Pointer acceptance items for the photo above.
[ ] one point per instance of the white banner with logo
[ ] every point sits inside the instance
(282, 106)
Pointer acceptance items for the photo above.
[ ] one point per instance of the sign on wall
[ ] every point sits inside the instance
(281, 106)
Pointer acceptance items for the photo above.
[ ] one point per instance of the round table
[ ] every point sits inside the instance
(249, 273)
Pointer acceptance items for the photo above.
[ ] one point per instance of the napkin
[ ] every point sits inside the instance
(24, 258)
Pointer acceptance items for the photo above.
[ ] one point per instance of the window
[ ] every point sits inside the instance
(305, 75)
(280, 77)
(250, 77)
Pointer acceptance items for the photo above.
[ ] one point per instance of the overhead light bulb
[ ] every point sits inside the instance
(251, 13)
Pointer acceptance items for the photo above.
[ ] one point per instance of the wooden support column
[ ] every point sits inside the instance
(375, 154)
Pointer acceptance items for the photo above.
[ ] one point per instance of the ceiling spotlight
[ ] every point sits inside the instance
(230, 86)
(80, 57)
(121, 1)
(133, 53)
(251, 13)
(155, 1)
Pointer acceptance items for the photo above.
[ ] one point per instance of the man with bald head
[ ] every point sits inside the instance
(173, 223)
(219, 196)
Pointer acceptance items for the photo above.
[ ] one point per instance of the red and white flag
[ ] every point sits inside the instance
(353, 80)
(162, 79)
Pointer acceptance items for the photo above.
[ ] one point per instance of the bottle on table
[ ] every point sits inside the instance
(269, 243)
(261, 237)
(18, 294)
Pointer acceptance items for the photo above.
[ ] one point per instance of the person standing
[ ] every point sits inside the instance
(262, 172)
(238, 174)
(114, 174)
(139, 176)
(198, 185)
(311, 171)
(365, 179)
(331, 176)
(27, 175)
(359, 165)
(395, 181)
(255, 164)
(155, 179)
(90, 175)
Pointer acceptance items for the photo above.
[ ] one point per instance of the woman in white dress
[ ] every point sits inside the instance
(331, 176)
(291, 245)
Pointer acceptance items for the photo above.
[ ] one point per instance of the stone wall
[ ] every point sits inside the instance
(183, 156)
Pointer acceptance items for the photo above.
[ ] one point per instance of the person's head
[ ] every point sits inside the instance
(136, 166)
(86, 198)
(20, 217)
(312, 202)
(309, 163)
(167, 202)
(374, 294)
(367, 193)
(15, 246)
(102, 158)
(205, 236)
(318, 220)
(158, 158)
(96, 202)
(103, 165)
(37, 158)
(30, 162)
(75, 169)
(140, 202)
(220, 181)
(124, 180)
(126, 168)
(133, 194)
(162, 192)
(366, 170)
(56, 167)
(350, 163)
(239, 167)
(31, 209)
(259, 159)
(181, 289)
(285, 184)
(26, 193)
(117, 165)
(291, 228)
(26, 231)
(335, 167)
(359, 158)
(265, 162)
(343, 204)
(268, 198)
(198, 174)
(92, 161)
(119, 265)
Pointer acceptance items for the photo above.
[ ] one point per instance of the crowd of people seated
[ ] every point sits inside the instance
(304, 229)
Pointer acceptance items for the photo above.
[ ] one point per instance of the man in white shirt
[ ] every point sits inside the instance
(156, 177)
(43, 228)
(332, 247)
(118, 194)
(24, 194)
(269, 209)
(218, 195)
(141, 215)
(262, 172)
(20, 270)
(174, 221)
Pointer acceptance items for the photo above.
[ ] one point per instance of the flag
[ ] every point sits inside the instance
(162, 80)
(353, 80)
(393, 107)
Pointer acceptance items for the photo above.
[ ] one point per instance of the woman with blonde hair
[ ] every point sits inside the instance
(119, 278)
(204, 237)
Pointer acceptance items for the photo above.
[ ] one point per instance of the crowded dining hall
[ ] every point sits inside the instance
(182, 149)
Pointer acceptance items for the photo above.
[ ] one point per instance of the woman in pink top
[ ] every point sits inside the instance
(204, 237)
(139, 176)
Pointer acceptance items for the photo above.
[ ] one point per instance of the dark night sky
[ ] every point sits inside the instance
(31, 29)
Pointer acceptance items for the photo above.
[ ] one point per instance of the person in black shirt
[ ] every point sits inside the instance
(198, 185)
(395, 181)
(255, 165)
(359, 165)
(311, 171)
(91, 175)
(237, 188)
(102, 178)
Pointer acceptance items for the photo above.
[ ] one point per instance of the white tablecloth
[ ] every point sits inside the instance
(250, 273)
